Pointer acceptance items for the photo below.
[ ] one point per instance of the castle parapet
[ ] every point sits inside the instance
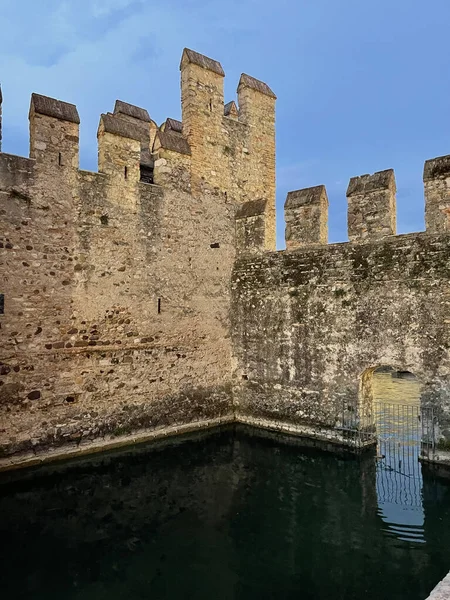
(54, 132)
(172, 141)
(172, 125)
(257, 110)
(306, 216)
(371, 206)
(436, 179)
(251, 227)
(172, 156)
(119, 148)
(201, 97)
(248, 89)
(202, 105)
(139, 116)
(126, 110)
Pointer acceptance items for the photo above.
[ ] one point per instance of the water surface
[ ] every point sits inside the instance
(230, 516)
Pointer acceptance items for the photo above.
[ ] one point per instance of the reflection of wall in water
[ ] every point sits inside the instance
(123, 514)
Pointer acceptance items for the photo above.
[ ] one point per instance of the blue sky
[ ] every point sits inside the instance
(362, 85)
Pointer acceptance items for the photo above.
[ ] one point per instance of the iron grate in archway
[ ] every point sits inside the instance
(406, 431)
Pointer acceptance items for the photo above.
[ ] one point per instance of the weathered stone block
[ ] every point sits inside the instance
(250, 227)
(306, 216)
(436, 178)
(54, 133)
(371, 206)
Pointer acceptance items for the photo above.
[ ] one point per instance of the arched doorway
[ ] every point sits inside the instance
(391, 397)
(390, 406)
(397, 418)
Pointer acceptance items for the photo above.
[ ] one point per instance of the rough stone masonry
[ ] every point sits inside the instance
(148, 298)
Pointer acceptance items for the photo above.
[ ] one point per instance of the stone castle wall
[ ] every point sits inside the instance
(147, 298)
(311, 323)
(117, 291)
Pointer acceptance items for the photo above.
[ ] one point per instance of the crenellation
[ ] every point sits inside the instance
(306, 216)
(125, 109)
(54, 133)
(119, 149)
(371, 206)
(121, 287)
(134, 130)
(172, 125)
(193, 57)
(57, 109)
(257, 111)
(436, 178)
(247, 81)
(140, 117)
(251, 227)
(155, 281)
(172, 154)
(202, 102)
(171, 140)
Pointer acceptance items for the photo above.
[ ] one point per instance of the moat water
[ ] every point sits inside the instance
(228, 516)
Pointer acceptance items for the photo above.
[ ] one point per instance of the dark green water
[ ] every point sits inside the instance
(229, 516)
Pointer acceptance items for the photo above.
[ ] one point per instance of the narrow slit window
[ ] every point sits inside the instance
(126, 172)
(59, 158)
(159, 306)
(2, 304)
(215, 245)
(210, 106)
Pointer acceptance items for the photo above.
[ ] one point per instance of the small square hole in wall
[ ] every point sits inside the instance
(146, 173)
(2, 304)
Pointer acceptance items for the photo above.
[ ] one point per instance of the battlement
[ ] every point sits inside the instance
(193, 57)
(306, 214)
(436, 177)
(129, 110)
(227, 146)
(148, 296)
(247, 81)
(50, 107)
(371, 213)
